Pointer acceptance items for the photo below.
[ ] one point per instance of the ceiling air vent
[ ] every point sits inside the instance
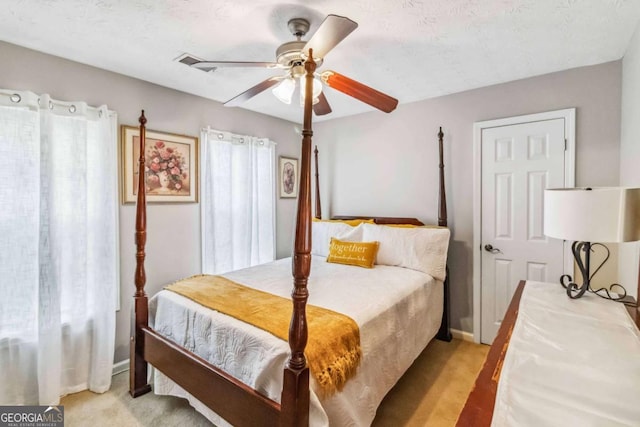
(190, 60)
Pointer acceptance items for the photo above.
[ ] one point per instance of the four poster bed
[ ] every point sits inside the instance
(231, 371)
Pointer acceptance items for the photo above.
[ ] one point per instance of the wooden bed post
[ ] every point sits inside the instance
(442, 202)
(138, 384)
(444, 333)
(318, 207)
(295, 389)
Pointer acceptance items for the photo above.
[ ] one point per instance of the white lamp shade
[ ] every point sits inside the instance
(604, 214)
(284, 91)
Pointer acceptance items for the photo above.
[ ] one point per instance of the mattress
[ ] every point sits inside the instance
(398, 311)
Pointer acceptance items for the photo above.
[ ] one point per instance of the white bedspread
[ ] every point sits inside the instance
(398, 311)
(569, 363)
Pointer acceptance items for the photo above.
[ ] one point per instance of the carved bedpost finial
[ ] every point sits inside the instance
(310, 68)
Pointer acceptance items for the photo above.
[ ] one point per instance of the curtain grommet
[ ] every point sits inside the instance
(72, 108)
(15, 98)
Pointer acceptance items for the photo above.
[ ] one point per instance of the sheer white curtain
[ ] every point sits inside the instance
(238, 201)
(58, 251)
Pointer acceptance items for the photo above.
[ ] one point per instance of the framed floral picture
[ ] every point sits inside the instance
(171, 166)
(288, 177)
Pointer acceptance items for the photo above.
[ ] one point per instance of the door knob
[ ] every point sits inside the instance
(491, 249)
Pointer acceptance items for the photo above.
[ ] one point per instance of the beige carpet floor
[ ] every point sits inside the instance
(431, 393)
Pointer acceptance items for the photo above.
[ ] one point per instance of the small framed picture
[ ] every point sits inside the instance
(171, 166)
(288, 177)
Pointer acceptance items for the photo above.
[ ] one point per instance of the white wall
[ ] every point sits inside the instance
(173, 245)
(630, 151)
(387, 165)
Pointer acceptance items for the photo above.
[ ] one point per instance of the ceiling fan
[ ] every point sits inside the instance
(290, 57)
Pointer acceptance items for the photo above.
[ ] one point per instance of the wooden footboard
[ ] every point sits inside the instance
(230, 398)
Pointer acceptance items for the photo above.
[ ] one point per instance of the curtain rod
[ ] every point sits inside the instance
(32, 100)
(221, 134)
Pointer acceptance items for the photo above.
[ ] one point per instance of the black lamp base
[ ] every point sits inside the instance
(575, 291)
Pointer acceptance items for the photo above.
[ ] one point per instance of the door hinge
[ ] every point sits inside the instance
(565, 144)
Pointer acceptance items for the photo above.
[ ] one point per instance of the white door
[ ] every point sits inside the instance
(518, 162)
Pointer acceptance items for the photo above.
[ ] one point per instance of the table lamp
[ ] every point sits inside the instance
(589, 217)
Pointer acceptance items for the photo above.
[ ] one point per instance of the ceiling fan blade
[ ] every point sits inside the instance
(359, 91)
(332, 31)
(250, 93)
(211, 65)
(322, 107)
(196, 62)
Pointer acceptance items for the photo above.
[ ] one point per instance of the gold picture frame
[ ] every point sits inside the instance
(171, 166)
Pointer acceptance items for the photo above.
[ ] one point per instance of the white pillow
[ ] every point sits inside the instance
(417, 248)
(323, 231)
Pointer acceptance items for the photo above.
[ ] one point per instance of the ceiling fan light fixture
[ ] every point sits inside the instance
(284, 91)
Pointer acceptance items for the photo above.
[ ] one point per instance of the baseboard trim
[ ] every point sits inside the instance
(462, 335)
(120, 367)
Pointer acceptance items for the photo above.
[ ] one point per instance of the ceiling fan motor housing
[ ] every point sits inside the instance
(290, 54)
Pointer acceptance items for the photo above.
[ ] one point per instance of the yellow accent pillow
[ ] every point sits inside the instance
(351, 222)
(361, 254)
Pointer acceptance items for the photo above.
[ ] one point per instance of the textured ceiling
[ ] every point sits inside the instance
(410, 49)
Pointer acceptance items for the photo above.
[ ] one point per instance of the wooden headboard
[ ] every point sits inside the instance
(442, 197)
(382, 219)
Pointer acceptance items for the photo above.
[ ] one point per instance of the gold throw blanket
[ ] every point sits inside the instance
(333, 348)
